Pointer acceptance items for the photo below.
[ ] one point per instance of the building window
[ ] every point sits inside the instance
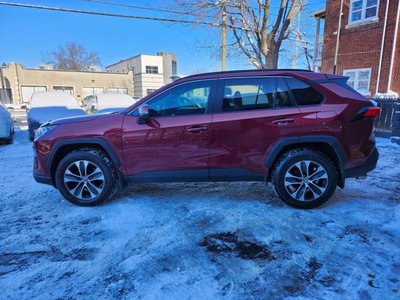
(174, 67)
(359, 79)
(362, 10)
(118, 90)
(28, 90)
(149, 91)
(87, 91)
(151, 69)
(64, 89)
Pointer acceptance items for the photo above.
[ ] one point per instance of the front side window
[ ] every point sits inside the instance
(185, 99)
(303, 93)
(359, 79)
(151, 69)
(361, 10)
(255, 93)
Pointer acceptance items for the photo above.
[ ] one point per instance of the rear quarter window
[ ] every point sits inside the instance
(303, 93)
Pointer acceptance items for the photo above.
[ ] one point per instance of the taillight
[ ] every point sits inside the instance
(367, 112)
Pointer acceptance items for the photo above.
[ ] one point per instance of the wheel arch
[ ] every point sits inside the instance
(327, 145)
(62, 148)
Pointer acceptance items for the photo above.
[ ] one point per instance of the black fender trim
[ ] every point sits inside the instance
(362, 170)
(88, 141)
(282, 143)
(42, 179)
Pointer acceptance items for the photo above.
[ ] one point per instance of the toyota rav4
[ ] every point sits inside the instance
(302, 131)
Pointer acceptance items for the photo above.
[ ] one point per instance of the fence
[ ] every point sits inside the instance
(388, 122)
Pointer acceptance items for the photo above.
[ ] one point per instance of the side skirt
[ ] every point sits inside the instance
(214, 175)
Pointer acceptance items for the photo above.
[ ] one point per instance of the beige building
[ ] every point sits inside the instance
(19, 83)
(150, 71)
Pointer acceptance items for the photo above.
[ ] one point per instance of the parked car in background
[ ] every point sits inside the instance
(6, 124)
(12, 107)
(48, 106)
(302, 131)
(105, 103)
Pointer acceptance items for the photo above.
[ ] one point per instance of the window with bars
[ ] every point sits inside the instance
(359, 79)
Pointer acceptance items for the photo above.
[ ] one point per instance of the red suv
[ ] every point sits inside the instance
(305, 132)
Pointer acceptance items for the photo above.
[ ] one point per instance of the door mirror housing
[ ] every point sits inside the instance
(144, 114)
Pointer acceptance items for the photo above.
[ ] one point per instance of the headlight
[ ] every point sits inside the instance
(42, 130)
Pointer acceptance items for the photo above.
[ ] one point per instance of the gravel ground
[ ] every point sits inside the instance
(198, 240)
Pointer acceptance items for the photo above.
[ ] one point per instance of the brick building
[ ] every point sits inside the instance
(367, 46)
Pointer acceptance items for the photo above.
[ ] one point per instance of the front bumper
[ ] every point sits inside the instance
(362, 170)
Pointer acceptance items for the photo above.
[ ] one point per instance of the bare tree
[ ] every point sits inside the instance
(73, 57)
(259, 27)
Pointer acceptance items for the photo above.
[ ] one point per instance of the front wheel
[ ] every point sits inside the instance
(305, 178)
(86, 177)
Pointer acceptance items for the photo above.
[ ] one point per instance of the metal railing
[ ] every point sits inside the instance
(388, 122)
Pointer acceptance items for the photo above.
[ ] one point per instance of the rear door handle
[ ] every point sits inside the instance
(283, 121)
(197, 129)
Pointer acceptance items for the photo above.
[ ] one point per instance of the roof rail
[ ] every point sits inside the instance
(250, 70)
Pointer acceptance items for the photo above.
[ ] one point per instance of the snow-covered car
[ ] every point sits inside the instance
(6, 124)
(48, 106)
(105, 103)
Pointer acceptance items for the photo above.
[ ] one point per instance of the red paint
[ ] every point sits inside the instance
(240, 139)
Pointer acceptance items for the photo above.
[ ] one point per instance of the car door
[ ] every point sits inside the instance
(250, 115)
(174, 143)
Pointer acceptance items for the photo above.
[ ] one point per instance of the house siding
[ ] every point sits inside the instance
(360, 45)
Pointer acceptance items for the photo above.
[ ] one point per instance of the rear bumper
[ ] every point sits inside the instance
(362, 170)
(42, 179)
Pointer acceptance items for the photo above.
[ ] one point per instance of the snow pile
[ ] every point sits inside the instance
(53, 99)
(199, 240)
(47, 106)
(113, 102)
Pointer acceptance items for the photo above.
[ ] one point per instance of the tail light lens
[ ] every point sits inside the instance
(367, 112)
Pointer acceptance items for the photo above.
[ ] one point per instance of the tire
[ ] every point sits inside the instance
(86, 177)
(10, 139)
(304, 178)
(31, 133)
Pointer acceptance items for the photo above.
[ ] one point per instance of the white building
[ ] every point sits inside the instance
(150, 72)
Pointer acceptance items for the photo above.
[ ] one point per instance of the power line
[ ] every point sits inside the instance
(147, 8)
(97, 13)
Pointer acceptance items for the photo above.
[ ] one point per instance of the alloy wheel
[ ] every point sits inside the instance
(84, 180)
(306, 180)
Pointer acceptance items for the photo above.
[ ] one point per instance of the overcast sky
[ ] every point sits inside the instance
(28, 34)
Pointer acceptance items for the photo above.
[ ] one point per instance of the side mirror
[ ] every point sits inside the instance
(144, 114)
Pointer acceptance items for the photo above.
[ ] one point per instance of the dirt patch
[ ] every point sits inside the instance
(229, 242)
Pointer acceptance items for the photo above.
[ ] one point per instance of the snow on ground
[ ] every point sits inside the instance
(198, 240)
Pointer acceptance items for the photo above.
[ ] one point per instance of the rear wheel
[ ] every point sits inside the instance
(86, 177)
(305, 178)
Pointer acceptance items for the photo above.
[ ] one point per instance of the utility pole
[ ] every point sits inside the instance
(298, 36)
(223, 36)
(3, 91)
(338, 37)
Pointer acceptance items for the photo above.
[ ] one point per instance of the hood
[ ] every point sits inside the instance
(76, 119)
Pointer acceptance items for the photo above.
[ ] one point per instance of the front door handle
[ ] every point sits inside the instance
(283, 121)
(197, 129)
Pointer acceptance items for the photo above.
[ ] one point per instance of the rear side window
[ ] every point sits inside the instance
(303, 93)
(255, 93)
